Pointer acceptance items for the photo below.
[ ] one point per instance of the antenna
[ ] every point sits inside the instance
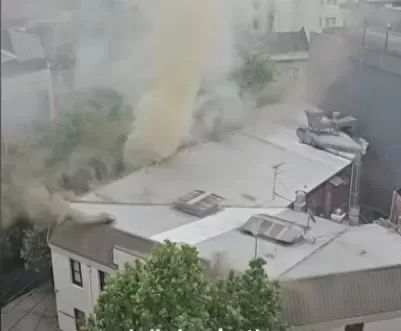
(311, 217)
(276, 173)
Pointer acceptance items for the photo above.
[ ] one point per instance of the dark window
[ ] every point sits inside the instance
(355, 327)
(80, 319)
(76, 273)
(102, 279)
(255, 25)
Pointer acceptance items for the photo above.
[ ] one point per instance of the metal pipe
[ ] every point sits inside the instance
(387, 37)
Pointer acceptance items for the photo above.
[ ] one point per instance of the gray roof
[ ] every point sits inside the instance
(25, 46)
(286, 42)
(276, 43)
(339, 296)
(96, 242)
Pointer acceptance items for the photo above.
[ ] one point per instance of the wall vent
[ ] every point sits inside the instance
(199, 203)
(274, 228)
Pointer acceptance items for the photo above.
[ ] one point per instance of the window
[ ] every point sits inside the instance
(255, 25)
(76, 273)
(295, 72)
(270, 19)
(80, 319)
(320, 22)
(330, 22)
(102, 279)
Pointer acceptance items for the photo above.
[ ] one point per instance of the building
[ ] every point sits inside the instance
(262, 183)
(288, 52)
(395, 213)
(360, 73)
(26, 85)
(375, 13)
(292, 15)
(359, 260)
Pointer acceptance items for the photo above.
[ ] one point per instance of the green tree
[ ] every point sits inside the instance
(169, 291)
(255, 73)
(34, 250)
(80, 147)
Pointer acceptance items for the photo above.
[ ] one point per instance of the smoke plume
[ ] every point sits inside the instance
(182, 37)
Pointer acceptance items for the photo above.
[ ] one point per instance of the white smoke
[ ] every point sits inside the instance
(184, 40)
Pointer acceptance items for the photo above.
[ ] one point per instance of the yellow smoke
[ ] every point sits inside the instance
(182, 36)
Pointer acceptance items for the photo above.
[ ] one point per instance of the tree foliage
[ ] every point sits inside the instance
(170, 291)
(255, 74)
(34, 250)
(80, 147)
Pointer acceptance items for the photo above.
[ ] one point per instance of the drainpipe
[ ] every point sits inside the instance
(392, 208)
(364, 33)
(90, 287)
(354, 208)
(387, 36)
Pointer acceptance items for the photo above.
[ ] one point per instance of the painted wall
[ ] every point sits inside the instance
(292, 15)
(69, 295)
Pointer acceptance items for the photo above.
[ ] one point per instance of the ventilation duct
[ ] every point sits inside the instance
(328, 134)
(300, 201)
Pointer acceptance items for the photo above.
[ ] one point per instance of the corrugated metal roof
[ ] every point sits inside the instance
(339, 296)
(96, 242)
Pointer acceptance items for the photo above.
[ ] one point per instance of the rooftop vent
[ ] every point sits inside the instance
(273, 228)
(199, 203)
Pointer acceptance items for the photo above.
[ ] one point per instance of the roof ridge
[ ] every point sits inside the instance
(342, 273)
(317, 250)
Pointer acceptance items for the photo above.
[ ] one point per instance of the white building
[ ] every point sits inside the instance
(242, 169)
(26, 84)
(292, 15)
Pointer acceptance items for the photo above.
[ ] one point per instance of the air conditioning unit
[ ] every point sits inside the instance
(338, 216)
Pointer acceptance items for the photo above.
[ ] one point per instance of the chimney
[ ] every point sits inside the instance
(300, 201)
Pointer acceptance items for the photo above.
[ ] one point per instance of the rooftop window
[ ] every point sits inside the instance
(199, 203)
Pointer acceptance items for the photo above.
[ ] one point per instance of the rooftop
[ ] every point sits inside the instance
(341, 296)
(327, 248)
(25, 46)
(281, 46)
(248, 156)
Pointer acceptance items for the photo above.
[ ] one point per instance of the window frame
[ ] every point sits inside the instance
(76, 280)
(102, 279)
(79, 317)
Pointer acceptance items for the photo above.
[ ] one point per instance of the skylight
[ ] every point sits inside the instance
(199, 203)
(274, 228)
